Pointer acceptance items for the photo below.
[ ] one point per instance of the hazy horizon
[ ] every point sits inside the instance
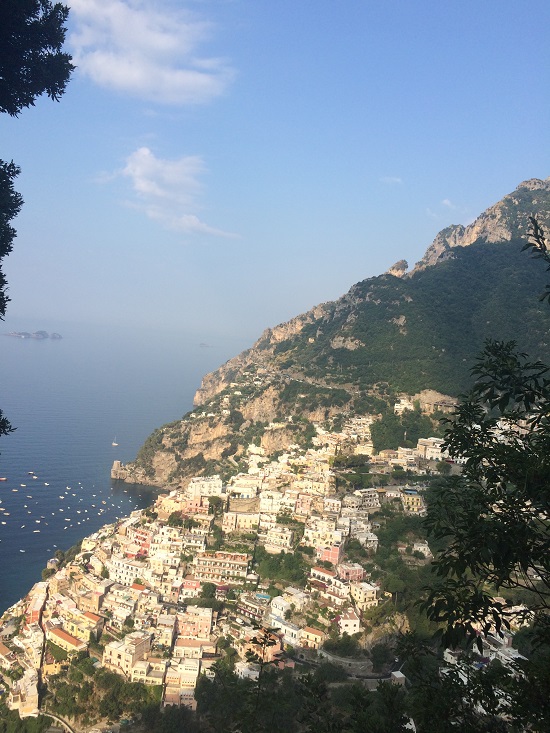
(219, 167)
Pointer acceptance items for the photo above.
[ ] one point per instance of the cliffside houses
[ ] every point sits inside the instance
(23, 695)
(222, 567)
(121, 656)
(135, 579)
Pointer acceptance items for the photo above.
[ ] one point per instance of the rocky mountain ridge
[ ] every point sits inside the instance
(398, 333)
(502, 222)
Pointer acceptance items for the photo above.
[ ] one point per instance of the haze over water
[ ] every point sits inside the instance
(69, 400)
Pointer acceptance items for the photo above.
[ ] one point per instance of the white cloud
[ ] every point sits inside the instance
(448, 204)
(167, 191)
(145, 50)
(391, 179)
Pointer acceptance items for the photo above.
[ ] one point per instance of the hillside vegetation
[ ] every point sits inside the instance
(389, 335)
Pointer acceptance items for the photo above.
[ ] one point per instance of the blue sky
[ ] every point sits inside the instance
(219, 166)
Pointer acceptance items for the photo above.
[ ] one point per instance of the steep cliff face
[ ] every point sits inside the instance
(503, 222)
(260, 354)
(393, 334)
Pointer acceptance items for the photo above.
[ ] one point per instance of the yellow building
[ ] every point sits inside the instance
(364, 595)
(67, 642)
(312, 638)
(412, 502)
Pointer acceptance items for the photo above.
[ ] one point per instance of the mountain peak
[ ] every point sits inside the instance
(534, 184)
(399, 269)
(506, 220)
(388, 336)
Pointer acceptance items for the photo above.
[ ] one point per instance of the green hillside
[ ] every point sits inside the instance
(424, 331)
(389, 335)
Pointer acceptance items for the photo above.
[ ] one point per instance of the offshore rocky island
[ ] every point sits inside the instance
(38, 335)
(289, 539)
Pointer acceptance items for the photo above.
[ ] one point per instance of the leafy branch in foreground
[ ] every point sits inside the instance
(539, 249)
(493, 521)
(31, 64)
(10, 205)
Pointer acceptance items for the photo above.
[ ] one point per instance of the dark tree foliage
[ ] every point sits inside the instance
(345, 646)
(472, 696)
(392, 431)
(10, 722)
(494, 517)
(5, 425)
(32, 33)
(463, 698)
(31, 64)
(10, 205)
(493, 520)
(288, 703)
(539, 251)
(492, 528)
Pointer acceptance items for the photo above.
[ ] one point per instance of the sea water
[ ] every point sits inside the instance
(70, 400)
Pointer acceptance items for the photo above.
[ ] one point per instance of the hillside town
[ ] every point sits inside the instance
(150, 597)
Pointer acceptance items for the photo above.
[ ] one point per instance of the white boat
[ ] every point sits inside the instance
(114, 443)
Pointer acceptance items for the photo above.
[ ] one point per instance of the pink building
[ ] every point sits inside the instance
(34, 610)
(195, 623)
(351, 571)
(190, 588)
(333, 554)
(195, 505)
(141, 537)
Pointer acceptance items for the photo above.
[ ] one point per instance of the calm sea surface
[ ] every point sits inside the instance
(70, 400)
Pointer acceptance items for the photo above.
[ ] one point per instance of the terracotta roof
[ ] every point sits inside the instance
(325, 571)
(191, 642)
(92, 616)
(67, 637)
(4, 650)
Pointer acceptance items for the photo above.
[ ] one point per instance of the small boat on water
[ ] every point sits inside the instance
(3, 478)
(114, 443)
